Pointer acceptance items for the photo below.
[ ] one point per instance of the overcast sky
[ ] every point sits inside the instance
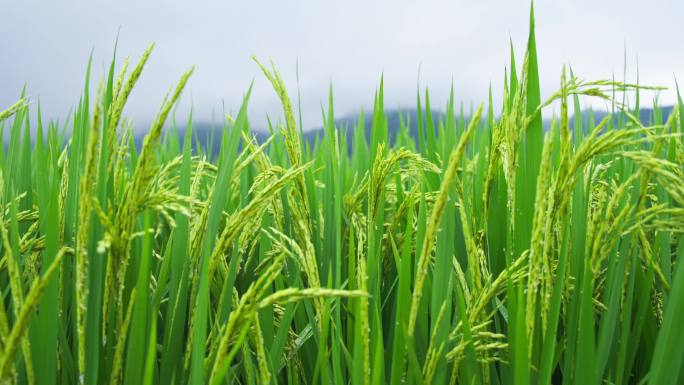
(45, 45)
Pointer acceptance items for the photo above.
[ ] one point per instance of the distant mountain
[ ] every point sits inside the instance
(646, 115)
(347, 124)
(394, 119)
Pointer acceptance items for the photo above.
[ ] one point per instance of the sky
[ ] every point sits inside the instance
(45, 45)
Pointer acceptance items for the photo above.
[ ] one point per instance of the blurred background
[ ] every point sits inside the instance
(45, 45)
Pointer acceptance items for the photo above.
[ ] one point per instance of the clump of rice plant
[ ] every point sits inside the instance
(486, 250)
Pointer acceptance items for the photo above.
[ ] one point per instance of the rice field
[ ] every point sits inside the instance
(486, 250)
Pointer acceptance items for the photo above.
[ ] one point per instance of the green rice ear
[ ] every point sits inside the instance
(13, 109)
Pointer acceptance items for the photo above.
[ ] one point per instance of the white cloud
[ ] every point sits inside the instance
(351, 43)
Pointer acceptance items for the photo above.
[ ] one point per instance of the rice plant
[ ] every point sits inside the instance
(486, 250)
